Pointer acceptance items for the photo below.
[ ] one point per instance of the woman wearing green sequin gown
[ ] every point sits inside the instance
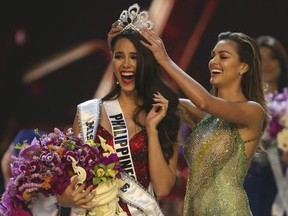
(221, 145)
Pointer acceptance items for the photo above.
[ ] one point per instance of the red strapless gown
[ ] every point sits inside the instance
(139, 152)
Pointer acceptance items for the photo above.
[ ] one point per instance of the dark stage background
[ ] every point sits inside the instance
(33, 33)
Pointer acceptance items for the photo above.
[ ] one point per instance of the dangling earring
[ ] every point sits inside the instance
(265, 87)
(117, 83)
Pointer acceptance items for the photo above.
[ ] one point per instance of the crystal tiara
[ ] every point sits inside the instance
(132, 19)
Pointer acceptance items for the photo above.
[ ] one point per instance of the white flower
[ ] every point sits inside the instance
(278, 109)
(106, 198)
(282, 139)
(284, 118)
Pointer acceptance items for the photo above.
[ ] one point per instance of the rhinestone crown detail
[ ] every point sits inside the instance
(134, 19)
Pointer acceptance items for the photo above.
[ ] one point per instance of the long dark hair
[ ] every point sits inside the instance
(280, 54)
(149, 80)
(252, 82)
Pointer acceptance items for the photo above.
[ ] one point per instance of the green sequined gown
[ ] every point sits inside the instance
(217, 167)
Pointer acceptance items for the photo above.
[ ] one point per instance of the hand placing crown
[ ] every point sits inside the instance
(134, 19)
(130, 19)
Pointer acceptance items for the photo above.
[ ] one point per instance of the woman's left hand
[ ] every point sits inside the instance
(77, 196)
(116, 28)
(158, 111)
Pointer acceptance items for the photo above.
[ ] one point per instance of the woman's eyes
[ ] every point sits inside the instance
(121, 56)
(118, 56)
(221, 57)
(224, 57)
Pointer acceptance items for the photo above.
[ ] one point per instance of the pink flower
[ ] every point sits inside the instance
(278, 110)
(45, 167)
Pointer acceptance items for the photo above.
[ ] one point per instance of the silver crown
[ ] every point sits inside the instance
(132, 19)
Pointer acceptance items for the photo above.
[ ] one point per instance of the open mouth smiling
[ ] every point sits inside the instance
(215, 71)
(128, 76)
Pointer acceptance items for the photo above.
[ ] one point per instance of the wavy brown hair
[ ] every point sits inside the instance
(252, 81)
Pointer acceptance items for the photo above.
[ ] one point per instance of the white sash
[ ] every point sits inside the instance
(120, 136)
(139, 200)
(280, 204)
(89, 113)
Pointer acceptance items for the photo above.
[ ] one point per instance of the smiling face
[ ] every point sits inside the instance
(225, 66)
(124, 64)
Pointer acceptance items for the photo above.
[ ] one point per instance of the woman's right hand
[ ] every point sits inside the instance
(116, 28)
(155, 45)
(77, 196)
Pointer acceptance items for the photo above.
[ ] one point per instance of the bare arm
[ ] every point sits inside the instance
(76, 128)
(5, 163)
(190, 114)
(228, 110)
(162, 174)
(248, 115)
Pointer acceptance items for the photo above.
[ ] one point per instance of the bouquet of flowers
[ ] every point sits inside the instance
(46, 166)
(277, 129)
